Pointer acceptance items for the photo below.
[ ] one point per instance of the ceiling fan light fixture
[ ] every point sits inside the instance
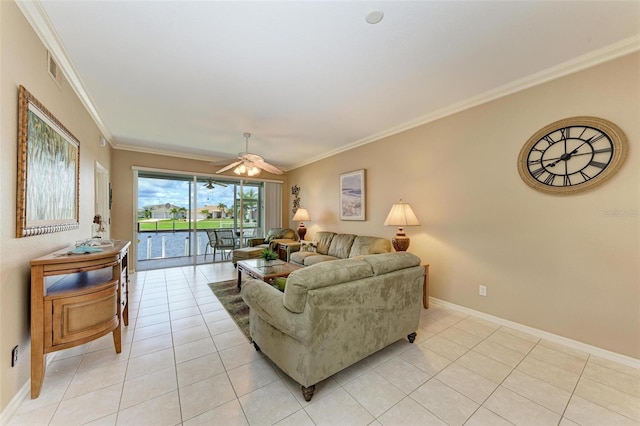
(246, 170)
(249, 164)
(240, 170)
(253, 171)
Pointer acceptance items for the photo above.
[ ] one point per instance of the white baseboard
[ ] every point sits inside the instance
(14, 404)
(594, 350)
(17, 399)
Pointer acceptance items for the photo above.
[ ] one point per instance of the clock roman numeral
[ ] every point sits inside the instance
(600, 151)
(593, 139)
(598, 164)
(549, 179)
(585, 176)
(532, 162)
(565, 132)
(548, 140)
(566, 181)
(536, 173)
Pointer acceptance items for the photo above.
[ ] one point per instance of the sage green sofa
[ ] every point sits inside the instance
(333, 246)
(333, 314)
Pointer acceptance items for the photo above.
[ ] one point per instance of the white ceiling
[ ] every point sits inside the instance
(310, 79)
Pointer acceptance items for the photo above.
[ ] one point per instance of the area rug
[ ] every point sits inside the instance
(228, 294)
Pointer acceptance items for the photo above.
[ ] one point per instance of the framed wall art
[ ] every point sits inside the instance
(352, 195)
(48, 171)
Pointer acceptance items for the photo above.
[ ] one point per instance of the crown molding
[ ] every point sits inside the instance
(44, 29)
(170, 153)
(37, 17)
(580, 63)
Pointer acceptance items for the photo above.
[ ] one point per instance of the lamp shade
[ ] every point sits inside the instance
(401, 214)
(301, 215)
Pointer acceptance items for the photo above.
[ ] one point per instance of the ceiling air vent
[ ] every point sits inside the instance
(54, 70)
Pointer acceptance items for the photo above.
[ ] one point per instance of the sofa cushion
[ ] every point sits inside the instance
(312, 260)
(341, 245)
(300, 256)
(321, 275)
(323, 238)
(369, 245)
(388, 262)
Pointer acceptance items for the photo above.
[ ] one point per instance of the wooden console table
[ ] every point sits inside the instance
(76, 298)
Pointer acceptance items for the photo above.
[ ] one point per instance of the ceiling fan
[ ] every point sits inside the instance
(210, 184)
(249, 164)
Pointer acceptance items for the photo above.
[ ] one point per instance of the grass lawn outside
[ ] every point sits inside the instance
(183, 225)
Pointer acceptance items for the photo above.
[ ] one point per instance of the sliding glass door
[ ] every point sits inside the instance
(177, 216)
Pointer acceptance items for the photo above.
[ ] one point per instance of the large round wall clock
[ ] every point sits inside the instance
(572, 155)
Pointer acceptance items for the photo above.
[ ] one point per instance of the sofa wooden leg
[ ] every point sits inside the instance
(255, 345)
(412, 337)
(307, 393)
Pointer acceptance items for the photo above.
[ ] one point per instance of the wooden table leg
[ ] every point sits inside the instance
(239, 276)
(425, 288)
(37, 332)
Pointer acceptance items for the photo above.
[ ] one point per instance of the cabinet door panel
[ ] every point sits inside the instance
(86, 316)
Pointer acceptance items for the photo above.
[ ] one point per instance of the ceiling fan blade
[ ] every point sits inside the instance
(268, 167)
(254, 158)
(230, 166)
(211, 184)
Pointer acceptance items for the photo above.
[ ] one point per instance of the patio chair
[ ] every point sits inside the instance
(220, 239)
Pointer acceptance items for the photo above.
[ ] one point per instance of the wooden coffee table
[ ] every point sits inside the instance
(265, 270)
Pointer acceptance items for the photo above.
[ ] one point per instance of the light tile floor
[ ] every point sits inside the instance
(185, 362)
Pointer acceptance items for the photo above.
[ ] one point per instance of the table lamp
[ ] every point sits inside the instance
(401, 215)
(301, 215)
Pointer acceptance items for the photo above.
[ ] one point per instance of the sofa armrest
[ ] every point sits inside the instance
(266, 302)
(273, 244)
(252, 242)
(292, 248)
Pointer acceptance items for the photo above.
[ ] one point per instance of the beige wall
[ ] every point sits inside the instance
(560, 264)
(23, 61)
(122, 178)
(565, 265)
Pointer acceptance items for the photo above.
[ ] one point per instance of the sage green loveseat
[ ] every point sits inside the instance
(273, 237)
(270, 241)
(333, 246)
(334, 314)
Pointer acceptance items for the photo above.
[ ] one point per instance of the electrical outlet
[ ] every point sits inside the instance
(14, 356)
(483, 290)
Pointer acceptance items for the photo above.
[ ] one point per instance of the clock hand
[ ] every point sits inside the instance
(587, 141)
(564, 157)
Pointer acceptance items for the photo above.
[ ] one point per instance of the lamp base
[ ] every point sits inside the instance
(400, 242)
(302, 231)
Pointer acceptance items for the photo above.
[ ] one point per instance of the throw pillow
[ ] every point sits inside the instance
(308, 246)
(272, 234)
(280, 283)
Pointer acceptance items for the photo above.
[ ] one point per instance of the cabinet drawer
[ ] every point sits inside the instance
(85, 316)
